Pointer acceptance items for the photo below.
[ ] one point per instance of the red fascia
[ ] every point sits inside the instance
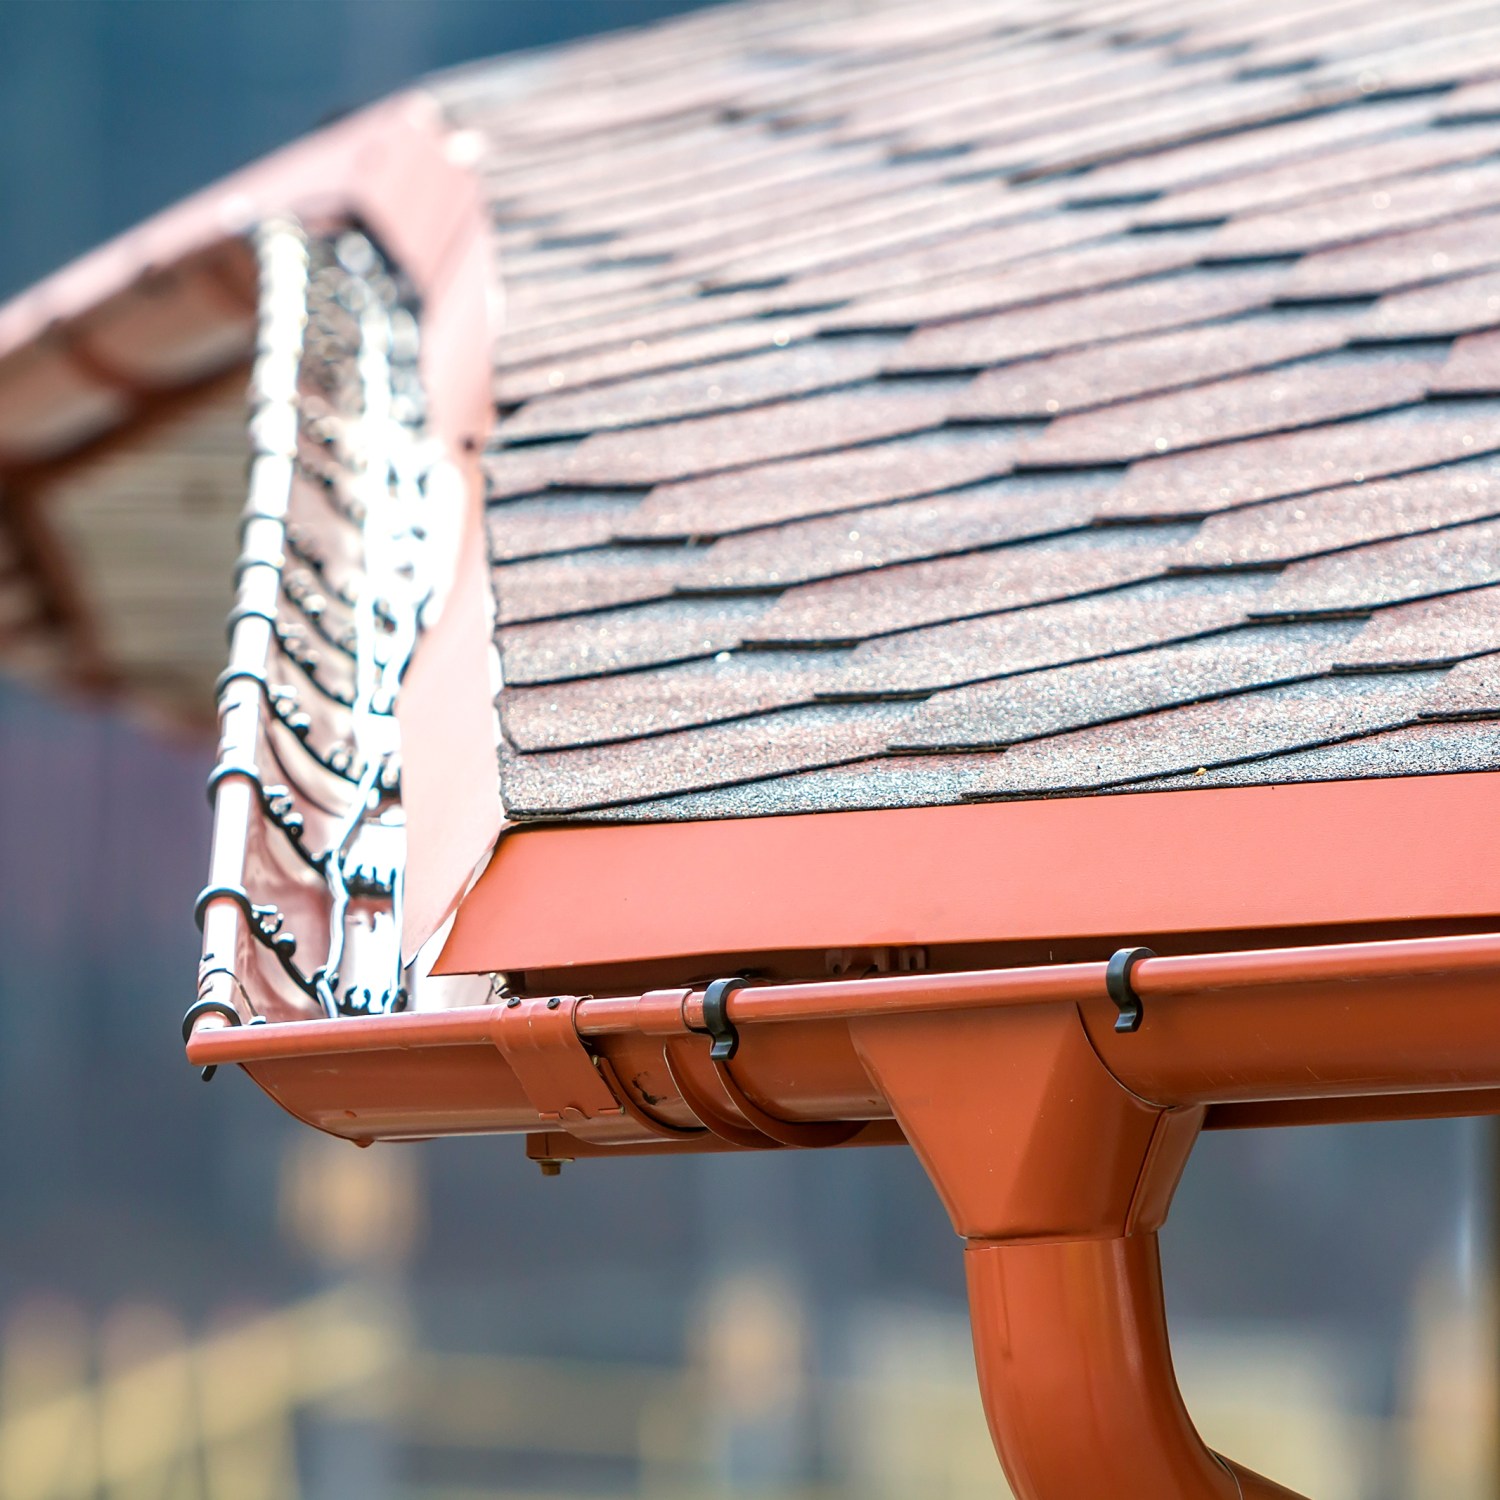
(1371, 857)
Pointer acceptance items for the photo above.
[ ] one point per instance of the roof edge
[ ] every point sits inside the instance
(1122, 867)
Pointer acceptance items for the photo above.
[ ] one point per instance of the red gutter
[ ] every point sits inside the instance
(1054, 1134)
(1344, 1021)
(1198, 973)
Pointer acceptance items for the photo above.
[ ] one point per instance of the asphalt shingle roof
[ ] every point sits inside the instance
(909, 403)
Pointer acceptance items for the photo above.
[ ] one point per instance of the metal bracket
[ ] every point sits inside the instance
(265, 923)
(722, 1105)
(1121, 991)
(567, 1088)
(716, 1022)
(207, 1007)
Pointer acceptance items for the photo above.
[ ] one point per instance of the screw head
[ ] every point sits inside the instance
(553, 1003)
(513, 1002)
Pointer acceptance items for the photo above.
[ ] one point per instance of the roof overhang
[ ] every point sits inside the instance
(1191, 865)
(135, 332)
(1327, 952)
(109, 353)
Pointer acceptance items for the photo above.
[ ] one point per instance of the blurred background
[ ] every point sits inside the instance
(200, 1300)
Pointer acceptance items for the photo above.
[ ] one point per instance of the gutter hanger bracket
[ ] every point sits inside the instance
(1121, 991)
(716, 1022)
(566, 1085)
(204, 1007)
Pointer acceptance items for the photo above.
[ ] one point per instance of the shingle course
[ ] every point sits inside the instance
(1064, 322)
(1113, 263)
(1392, 262)
(1101, 374)
(1309, 394)
(1294, 183)
(1333, 520)
(1361, 214)
(1441, 630)
(855, 609)
(776, 373)
(1301, 463)
(794, 489)
(1473, 368)
(1221, 731)
(1413, 567)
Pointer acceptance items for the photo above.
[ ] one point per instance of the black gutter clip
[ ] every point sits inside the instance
(207, 1008)
(716, 1022)
(1121, 991)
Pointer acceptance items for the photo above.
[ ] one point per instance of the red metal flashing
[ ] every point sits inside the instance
(1373, 852)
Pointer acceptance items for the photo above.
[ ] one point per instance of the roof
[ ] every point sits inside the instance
(123, 438)
(907, 404)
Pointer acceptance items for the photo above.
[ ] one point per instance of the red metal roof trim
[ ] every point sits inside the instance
(300, 602)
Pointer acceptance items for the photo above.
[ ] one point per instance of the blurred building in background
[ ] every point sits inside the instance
(202, 1301)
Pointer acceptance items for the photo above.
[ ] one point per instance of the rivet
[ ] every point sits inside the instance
(513, 1002)
(553, 1003)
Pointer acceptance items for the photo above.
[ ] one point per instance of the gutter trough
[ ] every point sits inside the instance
(1054, 1108)
(1406, 1017)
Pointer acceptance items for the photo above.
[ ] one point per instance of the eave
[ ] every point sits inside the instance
(1375, 855)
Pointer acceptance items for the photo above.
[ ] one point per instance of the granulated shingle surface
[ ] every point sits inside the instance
(1229, 158)
(1392, 262)
(1471, 688)
(772, 494)
(1348, 218)
(734, 440)
(1414, 567)
(860, 541)
(1244, 726)
(1128, 259)
(1445, 629)
(1333, 520)
(1464, 305)
(1120, 687)
(1288, 184)
(950, 255)
(1299, 463)
(854, 609)
(1105, 373)
(1068, 322)
(1001, 645)
(1308, 394)
(1473, 368)
(775, 374)
(905, 404)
